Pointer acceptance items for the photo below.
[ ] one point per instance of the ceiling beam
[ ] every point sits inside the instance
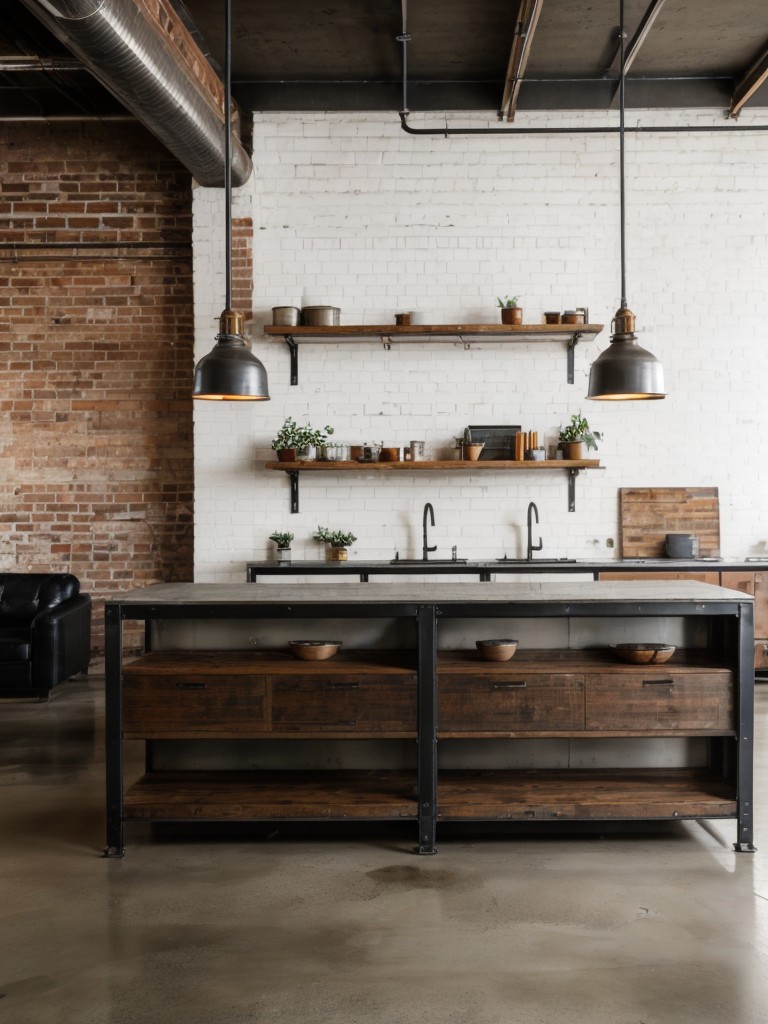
(527, 19)
(652, 11)
(749, 83)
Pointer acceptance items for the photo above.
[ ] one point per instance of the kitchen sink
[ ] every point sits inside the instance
(535, 561)
(428, 561)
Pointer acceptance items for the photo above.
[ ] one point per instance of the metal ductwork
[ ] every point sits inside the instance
(123, 49)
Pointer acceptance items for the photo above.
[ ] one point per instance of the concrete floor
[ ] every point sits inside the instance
(646, 926)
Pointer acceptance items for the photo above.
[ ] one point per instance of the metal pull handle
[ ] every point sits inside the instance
(343, 686)
(510, 686)
(658, 682)
(191, 686)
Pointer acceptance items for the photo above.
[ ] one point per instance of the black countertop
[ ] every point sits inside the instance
(485, 569)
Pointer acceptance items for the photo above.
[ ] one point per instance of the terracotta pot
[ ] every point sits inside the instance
(335, 554)
(512, 315)
(471, 452)
(574, 450)
(286, 455)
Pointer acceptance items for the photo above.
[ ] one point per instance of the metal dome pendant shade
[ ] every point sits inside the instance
(230, 372)
(625, 371)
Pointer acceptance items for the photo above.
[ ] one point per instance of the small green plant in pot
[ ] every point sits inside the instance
(337, 540)
(578, 437)
(283, 541)
(298, 442)
(511, 312)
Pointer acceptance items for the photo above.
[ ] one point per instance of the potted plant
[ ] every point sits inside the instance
(511, 313)
(469, 450)
(294, 442)
(283, 541)
(337, 540)
(577, 437)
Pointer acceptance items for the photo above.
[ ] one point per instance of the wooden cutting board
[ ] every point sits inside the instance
(648, 514)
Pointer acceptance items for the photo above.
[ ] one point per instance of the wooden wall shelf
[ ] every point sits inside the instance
(421, 334)
(572, 467)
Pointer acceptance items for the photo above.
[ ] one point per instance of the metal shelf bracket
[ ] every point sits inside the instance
(575, 339)
(293, 476)
(293, 345)
(572, 474)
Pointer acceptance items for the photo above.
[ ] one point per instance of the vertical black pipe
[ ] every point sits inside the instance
(228, 151)
(622, 205)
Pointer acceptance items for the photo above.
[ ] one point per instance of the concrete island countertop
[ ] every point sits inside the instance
(227, 594)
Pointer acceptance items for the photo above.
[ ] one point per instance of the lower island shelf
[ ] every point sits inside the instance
(269, 695)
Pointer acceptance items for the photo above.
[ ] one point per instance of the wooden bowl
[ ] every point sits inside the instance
(644, 654)
(314, 650)
(496, 650)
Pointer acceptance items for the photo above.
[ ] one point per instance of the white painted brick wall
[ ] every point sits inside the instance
(351, 211)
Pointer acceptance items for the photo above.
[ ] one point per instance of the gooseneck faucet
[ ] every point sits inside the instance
(532, 511)
(425, 550)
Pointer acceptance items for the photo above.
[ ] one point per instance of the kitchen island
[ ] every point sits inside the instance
(432, 695)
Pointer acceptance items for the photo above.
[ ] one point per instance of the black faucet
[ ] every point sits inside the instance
(425, 550)
(532, 511)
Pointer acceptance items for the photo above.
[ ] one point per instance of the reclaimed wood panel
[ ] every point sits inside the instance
(657, 697)
(584, 794)
(272, 795)
(647, 514)
(372, 705)
(194, 705)
(512, 701)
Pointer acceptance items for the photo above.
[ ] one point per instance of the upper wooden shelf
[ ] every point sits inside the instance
(571, 334)
(573, 467)
(424, 464)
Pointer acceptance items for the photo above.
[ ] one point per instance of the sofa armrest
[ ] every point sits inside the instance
(61, 642)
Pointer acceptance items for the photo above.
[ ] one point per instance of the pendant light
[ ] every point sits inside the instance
(625, 371)
(230, 371)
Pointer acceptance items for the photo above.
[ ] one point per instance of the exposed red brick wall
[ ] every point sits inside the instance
(96, 358)
(242, 266)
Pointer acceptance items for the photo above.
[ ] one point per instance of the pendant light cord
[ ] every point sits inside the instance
(228, 152)
(622, 203)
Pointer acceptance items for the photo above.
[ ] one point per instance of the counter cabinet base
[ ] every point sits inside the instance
(427, 696)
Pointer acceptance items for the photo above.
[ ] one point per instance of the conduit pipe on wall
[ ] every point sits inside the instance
(121, 47)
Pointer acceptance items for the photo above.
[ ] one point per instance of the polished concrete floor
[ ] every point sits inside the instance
(647, 926)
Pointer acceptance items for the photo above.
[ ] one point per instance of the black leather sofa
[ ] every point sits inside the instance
(45, 632)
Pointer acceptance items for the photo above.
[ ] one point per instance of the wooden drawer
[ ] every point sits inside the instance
(511, 701)
(337, 704)
(193, 705)
(651, 698)
(761, 654)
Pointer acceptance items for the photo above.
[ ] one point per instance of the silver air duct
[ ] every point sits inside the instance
(127, 54)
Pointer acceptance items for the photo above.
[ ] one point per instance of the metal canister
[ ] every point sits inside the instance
(320, 316)
(285, 316)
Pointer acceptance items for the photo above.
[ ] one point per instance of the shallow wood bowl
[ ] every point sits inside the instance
(496, 650)
(644, 654)
(314, 650)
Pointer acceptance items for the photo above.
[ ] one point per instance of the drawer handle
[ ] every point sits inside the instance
(191, 686)
(510, 686)
(658, 682)
(343, 686)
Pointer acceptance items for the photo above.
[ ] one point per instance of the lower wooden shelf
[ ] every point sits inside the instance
(589, 794)
(272, 795)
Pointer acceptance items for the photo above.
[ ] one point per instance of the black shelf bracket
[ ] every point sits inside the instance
(386, 341)
(293, 345)
(575, 339)
(293, 476)
(572, 474)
